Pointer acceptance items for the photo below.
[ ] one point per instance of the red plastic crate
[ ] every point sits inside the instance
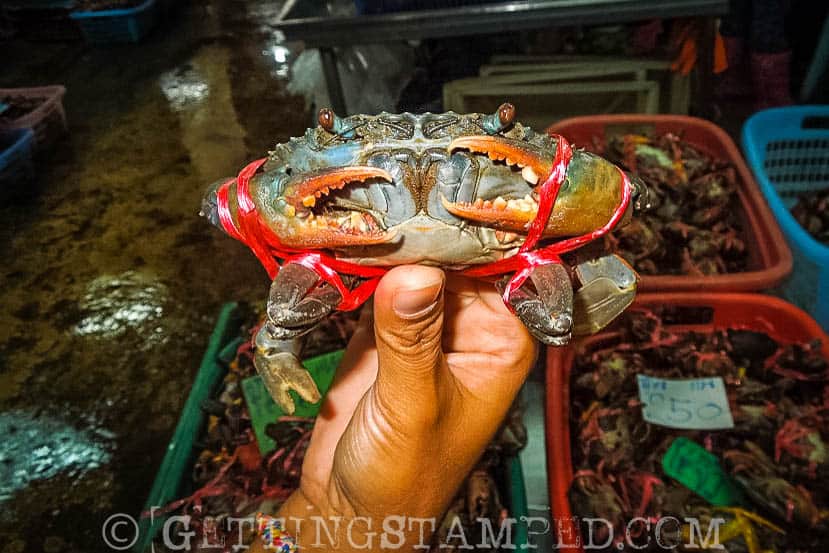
(48, 120)
(770, 259)
(779, 319)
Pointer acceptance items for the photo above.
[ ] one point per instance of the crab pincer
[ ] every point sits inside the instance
(303, 192)
(588, 198)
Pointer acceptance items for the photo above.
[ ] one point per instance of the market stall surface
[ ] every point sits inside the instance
(110, 280)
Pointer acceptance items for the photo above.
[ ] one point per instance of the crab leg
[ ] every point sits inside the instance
(589, 197)
(297, 302)
(548, 312)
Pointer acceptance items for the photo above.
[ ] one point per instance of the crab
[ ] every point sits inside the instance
(592, 494)
(449, 190)
(757, 475)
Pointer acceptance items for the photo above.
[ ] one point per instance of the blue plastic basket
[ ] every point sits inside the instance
(16, 156)
(109, 26)
(788, 150)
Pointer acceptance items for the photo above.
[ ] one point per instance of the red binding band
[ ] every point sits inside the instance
(254, 233)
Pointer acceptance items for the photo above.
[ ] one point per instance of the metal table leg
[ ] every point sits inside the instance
(817, 69)
(332, 80)
(705, 66)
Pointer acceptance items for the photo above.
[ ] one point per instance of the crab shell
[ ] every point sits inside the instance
(441, 189)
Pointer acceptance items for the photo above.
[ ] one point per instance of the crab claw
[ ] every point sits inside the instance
(303, 192)
(534, 166)
(588, 199)
(508, 214)
(324, 232)
(304, 228)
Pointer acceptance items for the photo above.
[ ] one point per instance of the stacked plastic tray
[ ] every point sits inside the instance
(47, 120)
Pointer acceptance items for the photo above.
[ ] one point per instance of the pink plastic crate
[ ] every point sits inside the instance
(47, 121)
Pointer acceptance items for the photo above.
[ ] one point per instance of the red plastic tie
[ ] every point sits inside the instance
(254, 233)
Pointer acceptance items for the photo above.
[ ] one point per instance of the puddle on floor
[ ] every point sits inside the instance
(200, 94)
(113, 304)
(39, 448)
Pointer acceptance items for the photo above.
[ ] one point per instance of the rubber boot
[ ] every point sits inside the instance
(770, 74)
(734, 82)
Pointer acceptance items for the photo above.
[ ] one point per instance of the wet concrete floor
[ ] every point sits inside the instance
(110, 280)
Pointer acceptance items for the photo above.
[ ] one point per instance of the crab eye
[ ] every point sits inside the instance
(506, 114)
(326, 119)
(500, 120)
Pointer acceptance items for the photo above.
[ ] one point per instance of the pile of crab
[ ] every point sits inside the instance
(776, 453)
(233, 481)
(691, 227)
(812, 212)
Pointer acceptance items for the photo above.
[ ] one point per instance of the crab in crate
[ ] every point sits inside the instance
(476, 193)
(757, 475)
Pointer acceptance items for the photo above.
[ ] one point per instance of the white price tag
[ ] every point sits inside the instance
(691, 404)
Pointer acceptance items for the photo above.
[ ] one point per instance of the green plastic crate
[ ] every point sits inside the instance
(181, 454)
(178, 461)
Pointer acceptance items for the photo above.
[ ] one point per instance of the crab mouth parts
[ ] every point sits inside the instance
(348, 222)
(508, 213)
(315, 221)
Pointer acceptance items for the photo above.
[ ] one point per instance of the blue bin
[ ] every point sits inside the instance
(16, 156)
(788, 150)
(109, 26)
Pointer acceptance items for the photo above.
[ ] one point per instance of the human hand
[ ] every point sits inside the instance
(415, 402)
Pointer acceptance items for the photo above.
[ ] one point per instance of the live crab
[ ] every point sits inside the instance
(450, 190)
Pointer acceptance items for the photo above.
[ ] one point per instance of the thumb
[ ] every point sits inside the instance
(408, 326)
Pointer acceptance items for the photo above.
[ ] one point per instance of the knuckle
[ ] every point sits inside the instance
(413, 336)
(413, 350)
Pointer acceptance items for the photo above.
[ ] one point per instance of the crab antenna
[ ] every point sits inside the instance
(329, 121)
(500, 120)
